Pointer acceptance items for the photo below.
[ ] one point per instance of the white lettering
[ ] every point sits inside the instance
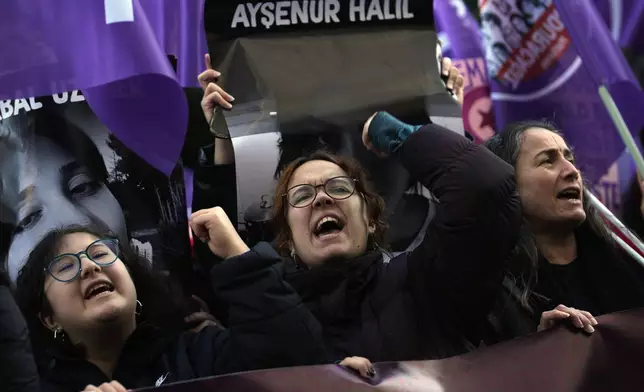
(61, 98)
(6, 109)
(34, 104)
(398, 9)
(253, 9)
(375, 10)
(281, 14)
(299, 11)
(406, 13)
(356, 6)
(268, 19)
(387, 11)
(20, 104)
(320, 11)
(332, 7)
(77, 96)
(240, 17)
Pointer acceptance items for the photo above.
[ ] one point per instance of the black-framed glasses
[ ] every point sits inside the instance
(338, 188)
(66, 267)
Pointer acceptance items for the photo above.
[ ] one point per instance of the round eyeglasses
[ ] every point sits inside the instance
(338, 188)
(67, 267)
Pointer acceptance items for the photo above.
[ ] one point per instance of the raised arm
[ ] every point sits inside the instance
(459, 266)
(268, 326)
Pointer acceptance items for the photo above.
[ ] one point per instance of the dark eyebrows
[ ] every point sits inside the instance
(552, 152)
(70, 169)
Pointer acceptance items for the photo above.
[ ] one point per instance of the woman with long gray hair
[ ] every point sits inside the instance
(565, 265)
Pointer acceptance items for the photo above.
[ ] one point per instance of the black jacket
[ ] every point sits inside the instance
(265, 331)
(422, 304)
(611, 282)
(17, 367)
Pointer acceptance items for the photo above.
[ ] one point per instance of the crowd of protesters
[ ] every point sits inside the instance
(513, 247)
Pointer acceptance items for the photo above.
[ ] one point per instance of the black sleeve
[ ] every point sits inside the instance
(269, 326)
(18, 370)
(213, 186)
(460, 264)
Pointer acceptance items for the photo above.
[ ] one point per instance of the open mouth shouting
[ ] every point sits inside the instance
(98, 289)
(328, 227)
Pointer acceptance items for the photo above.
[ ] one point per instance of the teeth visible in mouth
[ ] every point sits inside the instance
(324, 220)
(101, 288)
(328, 224)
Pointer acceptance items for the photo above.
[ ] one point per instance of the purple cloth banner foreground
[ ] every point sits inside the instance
(108, 50)
(625, 21)
(462, 42)
(178, 26)
(558, 360)
(548, 63)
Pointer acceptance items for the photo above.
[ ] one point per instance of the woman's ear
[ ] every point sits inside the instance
(372, 228)
(48, 322)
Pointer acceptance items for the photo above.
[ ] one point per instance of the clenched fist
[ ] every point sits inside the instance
(213, 227)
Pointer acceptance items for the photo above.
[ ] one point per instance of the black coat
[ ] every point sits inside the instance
(612, 281)
(425, 303)
(17, 366)
(264, 332)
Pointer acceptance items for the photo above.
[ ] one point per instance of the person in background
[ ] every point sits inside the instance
(98, 313)
(565, 266)
(18, 370)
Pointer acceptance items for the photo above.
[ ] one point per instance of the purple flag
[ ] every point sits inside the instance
(462, 42)
(178, 26)
(625, 21)
(106, 48)
(548, 62)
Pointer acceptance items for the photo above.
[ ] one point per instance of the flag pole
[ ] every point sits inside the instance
(635, 153)
(622, 128)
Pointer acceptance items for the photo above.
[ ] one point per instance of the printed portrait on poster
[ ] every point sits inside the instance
(59, 166)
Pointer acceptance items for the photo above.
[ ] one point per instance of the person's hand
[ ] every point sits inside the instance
(640, 182)
(213, 95)
(112, 386)
(578, 318)
(359, 364)
(455, 80)
(203, 316)
(366, 139)
(212, 226)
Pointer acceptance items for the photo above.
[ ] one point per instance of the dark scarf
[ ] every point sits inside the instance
(334, 291)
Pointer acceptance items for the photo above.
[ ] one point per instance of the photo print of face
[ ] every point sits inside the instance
(60, 166)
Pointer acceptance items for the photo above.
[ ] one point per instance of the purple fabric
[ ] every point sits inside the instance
(462, 42)
(64, 45)
(178, 26)
(548, 62)
(625, 21)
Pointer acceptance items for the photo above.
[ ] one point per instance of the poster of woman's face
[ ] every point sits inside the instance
(59, 166)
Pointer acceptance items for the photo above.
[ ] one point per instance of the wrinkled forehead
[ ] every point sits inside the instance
(315, 172)
(75, 242)
(536, 140)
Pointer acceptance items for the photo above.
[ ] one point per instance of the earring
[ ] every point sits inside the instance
(139, 308)
(58, 330)
(293, 253)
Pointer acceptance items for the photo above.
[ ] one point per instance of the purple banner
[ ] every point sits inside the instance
(557, 360)
(625, 21)
(178, 26)
(548, 63)
(108, 50)
(462, 42)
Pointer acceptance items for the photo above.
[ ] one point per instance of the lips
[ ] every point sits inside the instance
(98, 287)
(570, 193)
(328, 224)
